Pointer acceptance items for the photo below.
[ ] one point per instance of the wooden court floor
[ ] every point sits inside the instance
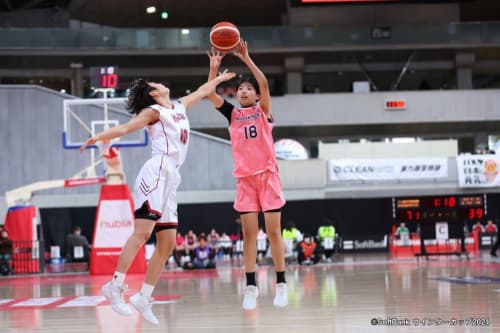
(355, 293)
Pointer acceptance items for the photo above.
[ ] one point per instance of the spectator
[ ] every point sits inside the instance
(5, 252)
(326, 234)
(203, 256)
(291, 236)
(477, 228)
(213, 240)
(261, 244)
(179, 249)
(189, 243)
(308, 251)
(239, 231)
(403, 233)
(237, 239)
(402, 229)
(494, 248)
(77, 246)
(226, 245)
(490, 228)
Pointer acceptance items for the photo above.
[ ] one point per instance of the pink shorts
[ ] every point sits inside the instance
(261, 192)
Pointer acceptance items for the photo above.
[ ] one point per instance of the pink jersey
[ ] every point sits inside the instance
(251, 140)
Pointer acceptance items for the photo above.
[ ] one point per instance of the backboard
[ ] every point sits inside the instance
(83, 118)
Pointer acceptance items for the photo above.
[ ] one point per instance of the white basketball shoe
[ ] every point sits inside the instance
(114, 295)
(250, 297)
(281, 297)
(143, 305)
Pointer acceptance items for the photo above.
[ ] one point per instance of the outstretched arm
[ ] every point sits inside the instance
(144, 118)
(205, 89)
(265, 96)
(215, 57)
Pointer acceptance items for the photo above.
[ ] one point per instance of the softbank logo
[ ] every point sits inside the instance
(115, 224)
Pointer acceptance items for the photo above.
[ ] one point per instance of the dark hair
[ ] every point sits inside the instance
(251, 80)
(77, 228)
(139, 97)
(202, 237)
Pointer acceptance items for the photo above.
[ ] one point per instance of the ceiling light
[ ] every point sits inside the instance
(164, 15)
(185, 31)
(151, 10)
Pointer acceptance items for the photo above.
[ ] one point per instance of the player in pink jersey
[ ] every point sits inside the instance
(156, 184)
(255, 168)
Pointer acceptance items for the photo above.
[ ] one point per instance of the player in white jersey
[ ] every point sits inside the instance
(156, 184)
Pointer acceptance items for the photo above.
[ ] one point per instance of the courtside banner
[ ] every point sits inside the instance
(478, 170)
(387, 168)
(114, 224)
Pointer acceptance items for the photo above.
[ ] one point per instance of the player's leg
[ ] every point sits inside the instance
(165, 244)
(114, 290)
(247, 204)
(271, 200)
(250, 227)
(273, 229)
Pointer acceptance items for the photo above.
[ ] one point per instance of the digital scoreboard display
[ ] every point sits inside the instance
(104, 77)
(449, 208)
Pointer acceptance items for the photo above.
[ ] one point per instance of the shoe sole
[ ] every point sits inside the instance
(280, 305)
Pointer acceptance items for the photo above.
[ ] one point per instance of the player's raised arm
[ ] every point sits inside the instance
(265, 96)
(215, 57)
(144, 118)
(206, 89)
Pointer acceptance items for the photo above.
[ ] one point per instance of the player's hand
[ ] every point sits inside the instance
(90, 141)
(215, 57)
(241, 50)
(226, 75)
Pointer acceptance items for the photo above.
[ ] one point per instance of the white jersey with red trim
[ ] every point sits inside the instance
(170, 134)
(158, 180)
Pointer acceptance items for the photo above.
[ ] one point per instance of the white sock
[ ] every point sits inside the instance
(147, 290)
(118, 279)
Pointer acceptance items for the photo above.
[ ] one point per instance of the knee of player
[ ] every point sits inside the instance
(141, 236)
(274, 236)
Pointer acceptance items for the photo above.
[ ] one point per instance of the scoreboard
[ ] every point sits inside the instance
(449, 208)
(104, 77)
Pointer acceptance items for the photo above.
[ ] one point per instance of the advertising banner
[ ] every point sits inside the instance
(387, 169)
(478, 170)
(114, 224)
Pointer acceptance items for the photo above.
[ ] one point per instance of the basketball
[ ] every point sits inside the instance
(224, 36)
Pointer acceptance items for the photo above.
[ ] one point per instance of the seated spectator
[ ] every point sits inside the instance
(477, 228)
(203, 256)
(226, 245)
(326, 234)
(189, 243)
(307, 251)
(490, 228)
(291, 236)
(402, 229)
(77, 246)
(213, 239)
(5, 253)
(403, 233)
(179, 249)
(261, 244)
(237, 239)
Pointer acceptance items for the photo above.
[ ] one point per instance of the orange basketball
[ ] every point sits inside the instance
(224, 36)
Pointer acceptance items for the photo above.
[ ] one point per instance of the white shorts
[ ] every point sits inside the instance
(156, 185)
